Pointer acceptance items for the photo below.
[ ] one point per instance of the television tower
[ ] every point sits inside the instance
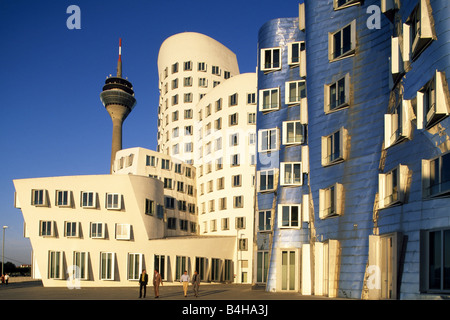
(118, 98)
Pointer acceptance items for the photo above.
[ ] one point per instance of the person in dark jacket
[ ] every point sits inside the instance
(143, 280)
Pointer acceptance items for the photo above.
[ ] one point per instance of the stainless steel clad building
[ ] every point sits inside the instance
(371, 207)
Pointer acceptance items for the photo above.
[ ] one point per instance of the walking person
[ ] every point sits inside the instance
(196, 282)
(156, 282)
(185, 279)
(143, 281)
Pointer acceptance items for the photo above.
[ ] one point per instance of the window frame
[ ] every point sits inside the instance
(266, 173)
(266, 216)
(274, 94)
(273, 134)
(392, 186)
(106, 272)
(335, 207)
(111, 203)
(294, 181)
(327, 94)
(270, 66)
(427, 176)
(285, 132)
(298, 98)
(331, 43)
(290, 222)
(88, 203)
(329, 145)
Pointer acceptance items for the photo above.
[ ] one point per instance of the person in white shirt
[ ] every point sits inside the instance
(185, 279)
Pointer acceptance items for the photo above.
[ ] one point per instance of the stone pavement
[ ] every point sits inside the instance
(33, 290)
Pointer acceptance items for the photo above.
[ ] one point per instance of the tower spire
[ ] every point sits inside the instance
(118, 98)
(119, 62)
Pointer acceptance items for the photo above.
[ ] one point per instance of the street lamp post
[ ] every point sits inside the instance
(3, 248)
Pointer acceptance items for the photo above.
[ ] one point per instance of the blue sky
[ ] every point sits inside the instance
(52, 120)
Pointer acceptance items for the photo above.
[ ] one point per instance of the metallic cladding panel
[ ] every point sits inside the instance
(364, 120)
(278, 33)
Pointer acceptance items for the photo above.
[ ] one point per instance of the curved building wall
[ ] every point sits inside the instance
(189, 65)
(276, 107)
(225, 141)
(179, 183)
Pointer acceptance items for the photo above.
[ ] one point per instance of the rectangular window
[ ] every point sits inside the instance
(225, 224)
(243, 244)
(171, 223)
(331, 201)
(269, 99)
(238, 201)
(165, 164)
(251, 98)
(123, 231)
(71, 229)
(270, 59)
(240, 222)
(223, 203)
(180, 266)
(266, 180)
(233, 120)
(107, 265)
(149, 207)
(293, 132)
(334, 147)
(392, 186)
(80, 261)
(39, 197)
(169, 202)
(201, 66)
(436, 261)
(227, 74)
(291, 174)
(265, 220)
(202, 82)
(135, 265)
(236, 180)
(342, 43)
(175, 67)
(47, 228)
(159, 263)
(216, 70)
(89, 199)
(113, 201)
(436, 176)
(397, 124)
(337, 94)
(262, 266)
(295, 92)
(63, 198)
(55, 265)
(420, 28)
(233, 100)
(251, 118)
(432, 104)
(268, 140)
(289, 215)
(151, 161)
(294, 49)
(98, 230)
(187, 81)
(187, 66)
(235, 160)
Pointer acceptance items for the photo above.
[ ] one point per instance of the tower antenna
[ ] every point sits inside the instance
(119, 62)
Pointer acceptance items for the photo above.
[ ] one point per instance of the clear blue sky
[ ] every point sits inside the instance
(52, 120)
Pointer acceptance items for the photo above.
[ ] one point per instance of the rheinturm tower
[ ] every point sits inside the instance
(118, 98)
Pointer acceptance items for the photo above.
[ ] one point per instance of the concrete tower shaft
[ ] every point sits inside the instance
(118, 98)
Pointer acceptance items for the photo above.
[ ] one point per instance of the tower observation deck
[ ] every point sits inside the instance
(118, 98)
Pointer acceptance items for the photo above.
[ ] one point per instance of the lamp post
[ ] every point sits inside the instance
(3, 247)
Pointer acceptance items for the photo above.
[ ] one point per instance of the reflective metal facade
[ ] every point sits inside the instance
(385, 221)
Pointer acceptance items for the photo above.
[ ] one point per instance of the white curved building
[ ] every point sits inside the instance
(225, 147)
(189, 66)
